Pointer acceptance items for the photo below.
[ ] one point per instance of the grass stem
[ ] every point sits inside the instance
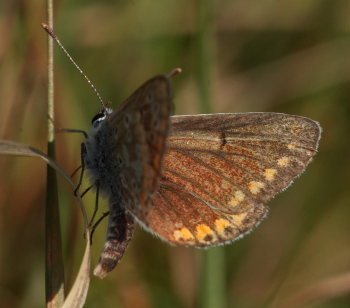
(212, 280)
(54, 269)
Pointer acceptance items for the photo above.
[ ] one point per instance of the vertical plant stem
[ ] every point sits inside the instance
(50, 75)
(205, 54)
(212, 280)
(54, 270)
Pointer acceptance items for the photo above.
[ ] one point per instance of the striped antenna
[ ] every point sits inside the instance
(55, 37)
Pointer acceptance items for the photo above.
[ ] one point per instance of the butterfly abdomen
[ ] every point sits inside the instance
(119, 233)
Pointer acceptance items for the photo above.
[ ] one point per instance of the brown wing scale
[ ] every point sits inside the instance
(139, 129)
(219, 170)
(183, 219)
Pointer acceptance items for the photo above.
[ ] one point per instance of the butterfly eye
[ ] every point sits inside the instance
(97, 119)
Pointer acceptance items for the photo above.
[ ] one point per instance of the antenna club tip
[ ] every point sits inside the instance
(174, 72)
(48, 29)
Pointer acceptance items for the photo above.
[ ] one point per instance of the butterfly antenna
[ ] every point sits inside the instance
(55, 37)
(174, 72)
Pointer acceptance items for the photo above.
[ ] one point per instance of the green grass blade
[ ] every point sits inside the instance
(212, 278)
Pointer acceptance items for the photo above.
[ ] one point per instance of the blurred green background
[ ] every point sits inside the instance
(291, 57)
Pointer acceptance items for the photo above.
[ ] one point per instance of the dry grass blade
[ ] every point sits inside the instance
(77, 295)
(19, 149)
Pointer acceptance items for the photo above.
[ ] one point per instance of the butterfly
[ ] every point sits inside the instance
(195, 180)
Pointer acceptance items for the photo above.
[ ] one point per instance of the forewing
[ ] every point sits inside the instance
(222, 168)
(138, 130)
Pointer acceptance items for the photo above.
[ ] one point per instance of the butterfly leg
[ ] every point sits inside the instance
(70, 130)
(75, 171)
(121, 227)
(83, 153)
(95, 210)
(97, 184)
(93, 229)
(86, 190)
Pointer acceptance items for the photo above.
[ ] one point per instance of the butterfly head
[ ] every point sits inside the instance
(100, 117)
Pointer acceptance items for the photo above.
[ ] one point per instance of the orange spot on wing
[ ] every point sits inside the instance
(255, 187)
(270, 174)
(237, 198)
(238, 219)
(291, 146)
(204, 232)
(283, 161)
(183, 235)
(221, 224)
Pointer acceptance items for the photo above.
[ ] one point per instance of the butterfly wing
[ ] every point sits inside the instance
(124, 156)
(135, 137)
(219, 170)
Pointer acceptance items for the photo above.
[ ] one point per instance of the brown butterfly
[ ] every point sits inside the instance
(200, 180)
